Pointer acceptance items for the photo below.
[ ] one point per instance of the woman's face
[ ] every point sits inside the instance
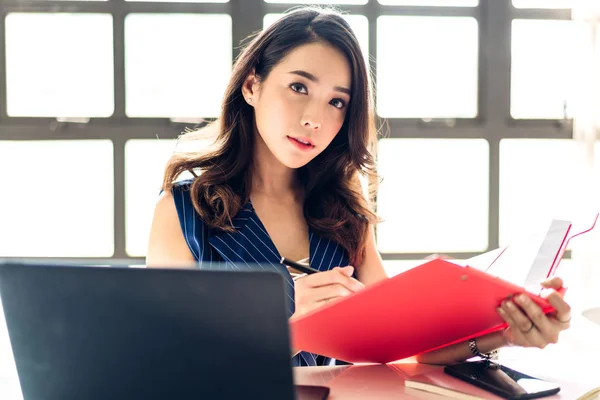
(301, 106)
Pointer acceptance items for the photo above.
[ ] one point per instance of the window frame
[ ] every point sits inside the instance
(493, 121)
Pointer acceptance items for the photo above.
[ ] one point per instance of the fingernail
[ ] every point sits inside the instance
(510, 305)
(500, 311)
(521, 299)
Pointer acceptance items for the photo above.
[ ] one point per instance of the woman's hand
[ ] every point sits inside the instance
(527, 324)
(315, 290)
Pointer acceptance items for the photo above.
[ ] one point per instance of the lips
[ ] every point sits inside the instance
(301, 143)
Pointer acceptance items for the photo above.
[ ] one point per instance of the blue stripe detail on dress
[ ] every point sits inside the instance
(250, 246)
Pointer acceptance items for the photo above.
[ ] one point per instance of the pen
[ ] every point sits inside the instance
(299, 267)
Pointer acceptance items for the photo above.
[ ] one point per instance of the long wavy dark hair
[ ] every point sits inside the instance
(335, 202)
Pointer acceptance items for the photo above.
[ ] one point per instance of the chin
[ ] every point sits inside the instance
(295, 163)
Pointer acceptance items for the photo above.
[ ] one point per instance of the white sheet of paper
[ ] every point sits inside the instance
(525, 262)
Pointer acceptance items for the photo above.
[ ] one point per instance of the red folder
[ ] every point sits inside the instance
(432, 305)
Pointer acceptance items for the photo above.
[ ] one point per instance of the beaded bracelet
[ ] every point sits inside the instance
(493, 355)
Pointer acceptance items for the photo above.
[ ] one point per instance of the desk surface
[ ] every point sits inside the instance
(381, 382)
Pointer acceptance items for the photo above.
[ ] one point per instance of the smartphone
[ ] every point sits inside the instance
(501, 380)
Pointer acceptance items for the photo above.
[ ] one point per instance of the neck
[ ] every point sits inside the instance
(270, 177)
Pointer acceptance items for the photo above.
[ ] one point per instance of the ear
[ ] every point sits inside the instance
(249, 87)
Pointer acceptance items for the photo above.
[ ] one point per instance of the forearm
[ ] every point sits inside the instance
(460, 351)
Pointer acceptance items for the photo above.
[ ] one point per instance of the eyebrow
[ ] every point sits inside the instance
(313, 78)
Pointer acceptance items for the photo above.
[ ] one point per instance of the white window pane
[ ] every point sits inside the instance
(180, 1)
(62, 203)
(395, 267)
(431, 74)
(543, 73)
(318, 1)
(445, 3)
(180, 70)
(145, 161)
(543, 3)
(58, 73)
(358, 23)
(434, 195)
(540, 179)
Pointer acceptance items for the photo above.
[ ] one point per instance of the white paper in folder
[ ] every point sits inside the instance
(529, 261)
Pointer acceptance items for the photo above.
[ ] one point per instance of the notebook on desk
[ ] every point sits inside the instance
(430, 306)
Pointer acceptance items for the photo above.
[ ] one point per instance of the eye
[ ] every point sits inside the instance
(338, 103)
(298, 87)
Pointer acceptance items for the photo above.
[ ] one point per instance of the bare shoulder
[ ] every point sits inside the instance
(167, 246)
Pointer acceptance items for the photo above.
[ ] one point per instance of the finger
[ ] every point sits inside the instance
(530, 336)
(545, 331)
(327, 292)
(553, 283)
(531, 311)
(517, 336)
(327, 301)
(563, 310)
(522, 323)
(344, 277)
(325, 277)
(333, 276)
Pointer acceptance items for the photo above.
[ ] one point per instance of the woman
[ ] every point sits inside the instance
(296, 131)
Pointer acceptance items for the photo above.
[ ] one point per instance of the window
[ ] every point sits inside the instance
(444, 3)
(145, 160)
(471, 141)
(180, 1)
(62, 198)
(427, 67)
(543, 3)
(544, 68)
(59, 74)
(180, 70)
(318, 1)
(533, 176)
(434, 195)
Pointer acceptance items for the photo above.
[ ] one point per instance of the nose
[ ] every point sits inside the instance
(311, 120)
(311, 123)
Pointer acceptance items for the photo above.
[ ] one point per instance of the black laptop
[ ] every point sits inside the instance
(83, 332)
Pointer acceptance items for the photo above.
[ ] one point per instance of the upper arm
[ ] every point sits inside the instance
(167, 246)
(371, 269)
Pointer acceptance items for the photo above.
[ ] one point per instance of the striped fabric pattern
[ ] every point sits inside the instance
(250, 246)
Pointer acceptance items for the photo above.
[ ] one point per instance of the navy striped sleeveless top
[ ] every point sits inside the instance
(250, 245)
